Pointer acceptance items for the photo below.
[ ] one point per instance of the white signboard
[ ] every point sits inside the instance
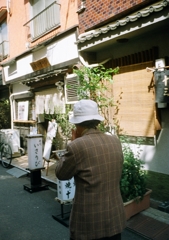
(51, 133)
(23, 110)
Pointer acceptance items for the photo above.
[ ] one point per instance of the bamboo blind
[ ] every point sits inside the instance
(135, 104)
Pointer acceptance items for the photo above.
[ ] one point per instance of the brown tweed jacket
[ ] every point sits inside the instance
(95, 160)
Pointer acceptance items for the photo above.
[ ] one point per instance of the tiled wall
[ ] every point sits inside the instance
(98, 11)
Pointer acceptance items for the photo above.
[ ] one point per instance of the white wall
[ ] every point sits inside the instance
(62, 50)
(58, 52)
(19, 87)
(157, 157)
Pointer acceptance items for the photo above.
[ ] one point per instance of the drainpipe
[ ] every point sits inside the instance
(11, 103)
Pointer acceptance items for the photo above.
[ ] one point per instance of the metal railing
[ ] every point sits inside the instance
(4, 50)
(44, 21)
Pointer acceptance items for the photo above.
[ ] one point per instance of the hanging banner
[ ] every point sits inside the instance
(162, 86)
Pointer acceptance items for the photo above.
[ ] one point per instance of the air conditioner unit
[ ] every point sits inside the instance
(71, 84)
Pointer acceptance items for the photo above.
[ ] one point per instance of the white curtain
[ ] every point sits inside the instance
(50, 101)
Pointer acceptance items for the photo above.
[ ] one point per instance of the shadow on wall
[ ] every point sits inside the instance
(156, 160)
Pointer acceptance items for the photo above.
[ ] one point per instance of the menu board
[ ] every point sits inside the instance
(23, 110)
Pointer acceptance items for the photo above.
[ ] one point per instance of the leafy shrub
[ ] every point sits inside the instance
(5, 120)
(133, 179)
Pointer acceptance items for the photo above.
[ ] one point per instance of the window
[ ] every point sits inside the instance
(39, 5)
(3, 40)
(71, 85)
(45, 17)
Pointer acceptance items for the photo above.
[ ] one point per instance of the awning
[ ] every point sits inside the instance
(44, 73)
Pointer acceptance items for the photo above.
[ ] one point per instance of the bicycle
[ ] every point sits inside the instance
(5, 152)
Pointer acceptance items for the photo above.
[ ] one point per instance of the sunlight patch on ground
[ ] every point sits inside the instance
(3, 177)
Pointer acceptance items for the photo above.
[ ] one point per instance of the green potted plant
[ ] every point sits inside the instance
(136, 196)
(133, 181)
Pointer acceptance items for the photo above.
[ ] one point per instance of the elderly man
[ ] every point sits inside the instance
(95, 160)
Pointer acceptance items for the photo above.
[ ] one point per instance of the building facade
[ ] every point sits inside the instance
(38, 52)
(133, 35)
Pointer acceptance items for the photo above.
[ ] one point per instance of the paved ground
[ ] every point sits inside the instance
(28, 216)
(156, 214)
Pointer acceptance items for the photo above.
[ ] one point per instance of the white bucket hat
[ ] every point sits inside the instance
(85, 110)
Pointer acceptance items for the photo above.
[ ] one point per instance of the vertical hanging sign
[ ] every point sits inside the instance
(162, 86)
(35, 159)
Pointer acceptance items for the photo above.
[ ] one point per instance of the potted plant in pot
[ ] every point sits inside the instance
(136, 196)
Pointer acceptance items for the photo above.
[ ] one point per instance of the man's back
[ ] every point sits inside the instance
(98, 208)
(95, 160)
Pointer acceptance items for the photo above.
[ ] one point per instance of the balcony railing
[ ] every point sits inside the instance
(44, 21)
(4, 50)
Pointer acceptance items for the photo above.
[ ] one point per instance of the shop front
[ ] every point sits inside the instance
(37, 80)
